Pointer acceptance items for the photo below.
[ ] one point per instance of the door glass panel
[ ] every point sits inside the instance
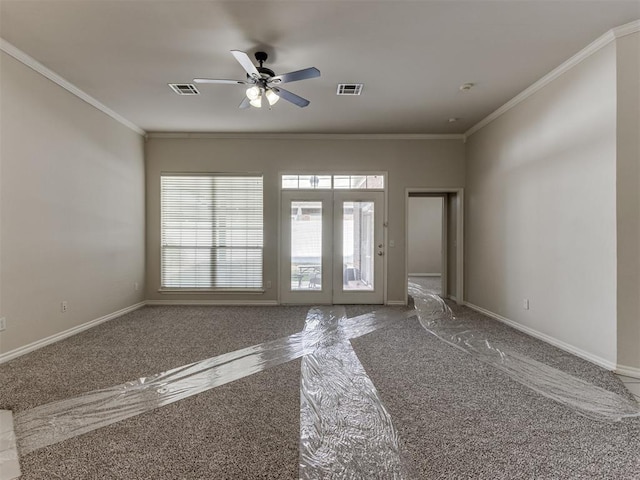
(306, 245)
(358, 245)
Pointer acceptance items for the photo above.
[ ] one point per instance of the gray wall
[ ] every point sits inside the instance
(410, 163)
(541, 210)
(628, 200)
(425, 235)
(72, 209)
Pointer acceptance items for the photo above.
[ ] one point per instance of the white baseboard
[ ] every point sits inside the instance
(628, 371)
(425, 275)
(396, 302)
(453, 297)
(219, 303)
(5, 357)
(602, 362)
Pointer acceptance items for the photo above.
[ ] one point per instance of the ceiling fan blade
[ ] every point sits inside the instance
(244, 60)
(219, 80)
(304, 74)
(245, 103)
(291, 97)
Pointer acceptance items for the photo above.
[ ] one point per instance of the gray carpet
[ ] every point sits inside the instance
(141, 343)
(459, 418)
(245, 429)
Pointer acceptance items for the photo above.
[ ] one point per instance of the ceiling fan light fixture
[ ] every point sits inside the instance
(272, 97)
(253, 93)
(256, 102)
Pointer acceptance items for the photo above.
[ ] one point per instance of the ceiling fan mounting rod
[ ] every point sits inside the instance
(261, 57)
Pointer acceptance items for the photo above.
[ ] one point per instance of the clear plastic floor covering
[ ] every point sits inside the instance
(581, 396)
(345, 430)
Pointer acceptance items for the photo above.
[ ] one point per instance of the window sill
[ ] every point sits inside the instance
(208, 291)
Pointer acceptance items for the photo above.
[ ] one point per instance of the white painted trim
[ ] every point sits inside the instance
(453, 297)
(5, 357)
(460, 221)
(602, 362)
(425, 274)
(583, 54)
(627, 29)
(239, 303)
(628, 371)
(32, 63)
(310, 136)
(395, 302)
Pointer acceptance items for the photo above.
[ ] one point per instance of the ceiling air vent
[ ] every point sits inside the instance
(184, 89)
(349, 89)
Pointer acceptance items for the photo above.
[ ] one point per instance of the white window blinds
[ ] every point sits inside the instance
(211, 231)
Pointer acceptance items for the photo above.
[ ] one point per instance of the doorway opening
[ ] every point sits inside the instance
(434, 241)
(426, 242)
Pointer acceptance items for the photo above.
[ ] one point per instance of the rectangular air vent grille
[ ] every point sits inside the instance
(349, 88)
(184, 89)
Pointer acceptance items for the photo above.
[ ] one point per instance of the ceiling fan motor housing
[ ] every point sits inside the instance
(261, 57)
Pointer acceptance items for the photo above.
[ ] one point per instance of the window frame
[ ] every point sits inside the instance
(333, 174)
(209, 290)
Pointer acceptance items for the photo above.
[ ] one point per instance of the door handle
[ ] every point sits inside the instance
(380, 253)
(380, 246)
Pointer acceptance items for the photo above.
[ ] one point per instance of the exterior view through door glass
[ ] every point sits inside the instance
(306, 245)
(359, 247)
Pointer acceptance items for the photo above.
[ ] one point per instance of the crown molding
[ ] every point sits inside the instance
(627, 29)
(593, 47)
(309, 136)
(32, 63)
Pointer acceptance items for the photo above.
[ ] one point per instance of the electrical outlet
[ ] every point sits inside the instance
(268, 284)
(136, 286)
(3, 324)
(525, 304)
(64, 306)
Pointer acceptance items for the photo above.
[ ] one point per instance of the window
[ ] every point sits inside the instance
(328, 182)
(211, 231)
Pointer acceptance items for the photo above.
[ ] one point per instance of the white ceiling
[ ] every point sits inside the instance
(411, 56)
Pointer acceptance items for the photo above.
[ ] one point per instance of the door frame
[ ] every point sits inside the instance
(385, 219)
(459, 193)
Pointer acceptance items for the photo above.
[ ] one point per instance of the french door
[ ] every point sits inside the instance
(332, 247)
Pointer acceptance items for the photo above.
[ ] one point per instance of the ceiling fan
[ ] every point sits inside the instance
(264, 85)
